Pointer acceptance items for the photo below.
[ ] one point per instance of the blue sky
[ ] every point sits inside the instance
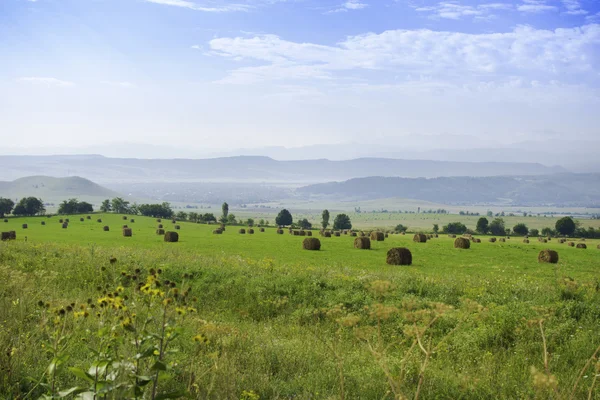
(249, 73)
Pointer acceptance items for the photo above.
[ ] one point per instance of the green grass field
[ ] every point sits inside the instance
(274, 321)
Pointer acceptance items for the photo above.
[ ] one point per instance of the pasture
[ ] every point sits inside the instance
(266, 319)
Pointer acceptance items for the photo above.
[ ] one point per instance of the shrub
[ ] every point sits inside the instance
(581, 246)
(548, 256)
(171, 237)
(363, 243)
(565, 226)
(127, 232)
(106, 228)
(311, 243)
(399, 256)
(462, 243)
(377, 236)
(420, 238)
(284, 218)
(342, 221)
(455, 227)
(160, 231)
(521, 229)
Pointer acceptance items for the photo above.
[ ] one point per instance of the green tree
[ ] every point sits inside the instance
(304, 224)
(455, 228)
(250, 222)
(120, 206)
(29, 206)
(105, 206)
(565, 226)
(194, 216)
(182, 216)
(325, 219)
(436, 228)
(401, 228)
(6, 206)
(497, 227)
(284, 218)
(225, 210)
(230, 219)
(521, 229)
(483, 225)
(342, 221)
(547, 231)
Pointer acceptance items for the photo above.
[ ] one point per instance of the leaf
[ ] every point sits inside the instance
(56, 363)
(146, 353)
(171, 395)
(74, 390)
(143, 380)
(78, 372)
(159, 366)
(98, 368)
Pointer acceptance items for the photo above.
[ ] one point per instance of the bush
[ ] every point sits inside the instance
(399, 256)
(171, 237)
(497, 227)
(548, 256)
(363, 243)
(284, 218)
(462, 243)
(311, 244)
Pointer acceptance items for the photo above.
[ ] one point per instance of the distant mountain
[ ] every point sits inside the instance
(557, 190)
(251, 169)
(49, 188)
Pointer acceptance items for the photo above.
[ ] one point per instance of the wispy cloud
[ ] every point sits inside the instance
(348, 6)
(47, 81)
(574, 7)
(455, 10)
(525, 51)
(197, 7)
(535, 6)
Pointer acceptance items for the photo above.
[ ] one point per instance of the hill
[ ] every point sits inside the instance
(559, 190)
(50, 188)
(251, 169)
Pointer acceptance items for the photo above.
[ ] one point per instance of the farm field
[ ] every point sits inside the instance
(266, 319)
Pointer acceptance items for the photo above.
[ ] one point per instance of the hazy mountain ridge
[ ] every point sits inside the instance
(251, 169)
(48, 187)
(559, 189)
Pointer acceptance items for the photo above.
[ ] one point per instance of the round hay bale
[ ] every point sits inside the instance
(502, 240)
(12, 235)
(436, 236)
(353, 234)
(462, 243)
(525, 240)
(61, 221)
(452, 236)
(420, 238)
(571, 244)
(544, 241)
(5, 236)
(476, 240)
(548, 256)
(327, 234)
(492, 240)
(125, 226)
(598, 247)
(160, 226)
(132, 220)
(242, 231)
(67, 220)
(127, 232)
(89, 217)
(280, 231)
(81, 219)
(362, 234)
(250, 231)
(222, 227)
(302, 233)
(386, 235)
(377, 236)
(295, 233)
(171, 237)
(65, 225)
(308, 233)
(177, 227)
(561, 241)
(508, 237)
(5, 220)
(99, 220)
(399, 256)
(337, 234)
(158, 220)
(43, 222)
(124, 217)
(363, 243)
(311, 243)
(403, 233)
(581, 246)
(106, 228)
(262, 229)
(217, 232)
(24, 226)
(160, 231)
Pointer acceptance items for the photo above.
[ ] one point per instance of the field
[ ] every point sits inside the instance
(265, 319)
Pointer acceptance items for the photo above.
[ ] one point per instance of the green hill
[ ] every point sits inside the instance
(53, 189)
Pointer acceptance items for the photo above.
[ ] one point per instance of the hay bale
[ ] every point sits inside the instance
(581, 246)
(492, 240)
(222, 227)
(436, 236)
(5, 220)
(327, 234)
(452, 236)
(125, 226)
(99, 220)
(598, 247)
(43, 222)
(571, 244)
(160, 226)
(353, 234)
(362, 234)
(475, 240)
(24, 226)
(12, 235)
(502, 240)
(561, 241)
(67, 220)
(106, 228)
(89, 217)
(217, 232)
(377, 236)
(81, 219)
(363, 243)
(158, 220)
(160, 231)
(462, 243)
(132, 220)
(65, 225)
(548, 256)
(61, 221)
(177, 227)
(5, 236)
(242, 231)
(337, 234)
(386, 235)
(250, 231)
(403, 233)
(399, 256)
(295, 233)
(127, 232)
(262, 229)
(124, 217)
(311, 243)
(525, 240)
(171, 237)
(174, 221)
(280, 231)
(308, 233)
(420, 238)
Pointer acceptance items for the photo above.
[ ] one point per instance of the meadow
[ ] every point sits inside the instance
(255, 316)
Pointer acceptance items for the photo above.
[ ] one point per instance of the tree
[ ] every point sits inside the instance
(230, 219)
(534, 232)
(565, 226)
(29, 206)
(436, 228)
(194, 216)
(284, 218)
(325, 221)
(455, 228)
(521, 229)
(105, 206)
(6, 206)
(547, 231)
(120, 206)
(225, 215)
(304, 224)
(182, 215)
(250, 222)
(342, 221)
(156, 210)
(497, 227)
(401, 228)
(483, 225)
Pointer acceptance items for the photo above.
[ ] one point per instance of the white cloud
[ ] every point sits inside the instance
(349, 5)
(535, 6)
(452, 9)
(196, 47)
(194, 6)
(574, 7)
(37, 80)
(525, 51)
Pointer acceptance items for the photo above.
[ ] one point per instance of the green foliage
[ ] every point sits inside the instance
(105, 206)
(565, 226)
(400, 228)
(497, 227)
(521, 229)
(225, 213)
(6, 206)
(120, 206)
(181, 215)
(156, 210)
(304, 224)
(534, 232)
(456, 228)
(325, 219)
(29, 206)
(284, 218)
(547, 231)
(74, 206)
(342, 221)
(482, 226)
(436, 228)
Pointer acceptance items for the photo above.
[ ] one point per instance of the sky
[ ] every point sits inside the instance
(202, 75)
